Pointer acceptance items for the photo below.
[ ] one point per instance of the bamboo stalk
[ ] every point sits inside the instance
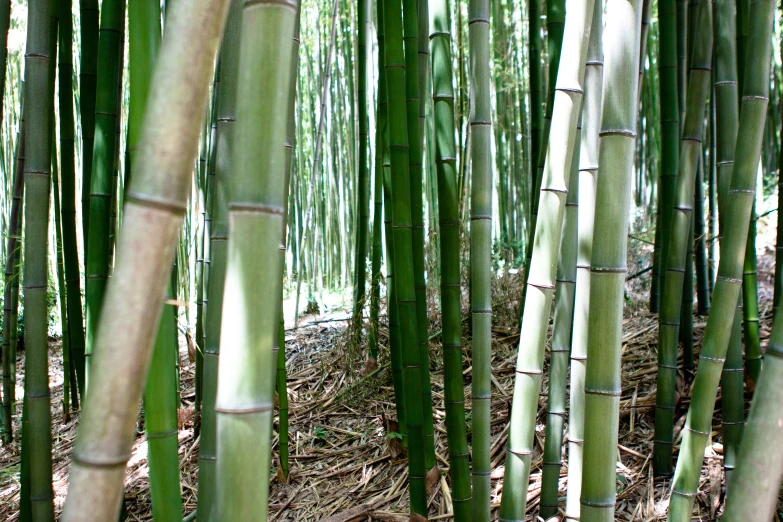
(541, 279)
(608, 262)
(154, 206)
(727, 288)
(588, 175)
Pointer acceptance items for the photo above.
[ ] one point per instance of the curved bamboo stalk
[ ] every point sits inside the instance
(588, 175)
(608, 262)
(480, 127)
(681, 236)
(739, 205)
(134, 299)
(756, 483)
(560, 349)
(226, 116)
(244, 404)
(450, 287)
(541, 279)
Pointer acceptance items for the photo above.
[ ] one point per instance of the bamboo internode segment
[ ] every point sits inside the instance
(179, 93)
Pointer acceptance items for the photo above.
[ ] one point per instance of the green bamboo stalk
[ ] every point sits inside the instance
(681, 236)
(726, 122)
(541, 279)
(588, 172)
(555, 23)
(11, 286)
(536, 100)
(404, 270)
(415, 157)
(565, 286)
(363, 187)
(106, 105)
(450, 272)
(68, 208)
(480, 129)
(750, 304)
(378, 217)
(700, 247)
(225, 116)
(727, 288)
(670, 130)
(280, 373)
(733, 398)
(59, 261)
(756, 484)
(37, 181)
(88, 81)
(244, 403)
(160, 415)
(154, 205)
(685, 332)
(608, 262)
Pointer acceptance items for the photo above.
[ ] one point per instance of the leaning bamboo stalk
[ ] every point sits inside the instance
(681, 237)
(154, 205)
(541, 279)
(588, 175)
(739, 203)
(756, 484)
(609, 255)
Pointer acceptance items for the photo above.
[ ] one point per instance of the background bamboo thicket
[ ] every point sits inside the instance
(298, 260)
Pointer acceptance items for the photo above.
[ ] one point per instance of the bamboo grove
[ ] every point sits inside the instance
(202, 175)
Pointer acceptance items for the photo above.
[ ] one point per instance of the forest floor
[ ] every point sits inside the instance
(344, 467)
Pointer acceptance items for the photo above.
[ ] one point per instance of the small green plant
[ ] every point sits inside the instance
(321, 433)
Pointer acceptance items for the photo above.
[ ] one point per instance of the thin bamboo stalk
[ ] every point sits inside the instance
(565, 287)
(588, 175)
(226, 116)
